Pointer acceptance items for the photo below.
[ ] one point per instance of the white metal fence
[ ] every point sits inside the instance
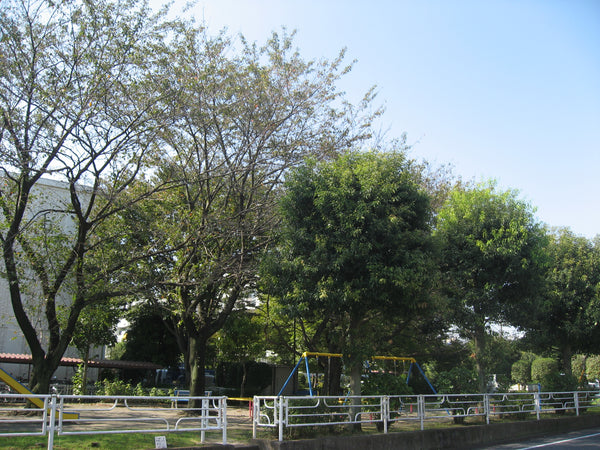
(281, 413)
(64, 415)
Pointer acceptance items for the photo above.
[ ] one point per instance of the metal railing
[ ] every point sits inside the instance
(280, 413)
(64, 415)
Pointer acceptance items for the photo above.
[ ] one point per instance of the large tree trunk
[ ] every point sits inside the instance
(566, 355)
(479, 342)
(41, 374)
(197, 359)
(356, 390)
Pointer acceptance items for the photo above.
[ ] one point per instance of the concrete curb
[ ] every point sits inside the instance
(457, 437)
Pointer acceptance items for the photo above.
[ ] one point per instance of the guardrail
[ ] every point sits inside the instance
(290, 412)
(65, 415)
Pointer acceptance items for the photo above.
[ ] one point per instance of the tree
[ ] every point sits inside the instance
(240, 121)
(96, 327)
(491, 258)
(565, 318)
(521, 369)
(241, 341)
(354, 250)
(149, 337)
(78, 104)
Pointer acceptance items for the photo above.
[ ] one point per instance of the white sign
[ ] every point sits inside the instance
(160, 442)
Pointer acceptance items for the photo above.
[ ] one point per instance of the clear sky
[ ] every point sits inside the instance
(503, 89)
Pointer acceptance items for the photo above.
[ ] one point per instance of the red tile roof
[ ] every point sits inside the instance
(20, 358)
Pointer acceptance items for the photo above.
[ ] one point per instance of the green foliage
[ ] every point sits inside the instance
(355, 251)
(542, 368)
(96, 327)
(149, 339)
(78, 381)
(241, 338)
(578, 363)
(521, 371)
(567, 315)
(592, 367)
(120, 387)
(458, 380)
(491, 263)
(385, 384)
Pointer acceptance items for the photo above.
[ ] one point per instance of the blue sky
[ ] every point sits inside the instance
(504, 89)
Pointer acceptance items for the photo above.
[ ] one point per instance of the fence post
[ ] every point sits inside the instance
(255, 413)
(280, 406)
(52, 421)
(203, 412)
(421, 409)
(223, 406)
(538, 404)
(486, 407)
(576, 401)
(385, 412)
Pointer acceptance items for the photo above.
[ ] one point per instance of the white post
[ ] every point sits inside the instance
(421, 409)
(223, 405)
(254, 416)
(52, 422)
(385, 412)
(538, 404)
(281, 400)
(576, 400)
(203, 420)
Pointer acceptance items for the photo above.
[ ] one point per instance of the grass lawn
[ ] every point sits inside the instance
(126, 441)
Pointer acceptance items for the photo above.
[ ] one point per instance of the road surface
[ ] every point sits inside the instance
(582, 439)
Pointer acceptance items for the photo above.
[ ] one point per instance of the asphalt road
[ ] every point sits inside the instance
(582, 439)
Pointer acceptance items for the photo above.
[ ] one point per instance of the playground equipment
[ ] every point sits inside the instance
(306, 355)
(19, 388)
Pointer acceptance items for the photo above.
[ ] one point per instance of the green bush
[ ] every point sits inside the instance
(521, 371)
(458, 380)
(120, 387)
(592, 367)
(542, 368)
(556, 382)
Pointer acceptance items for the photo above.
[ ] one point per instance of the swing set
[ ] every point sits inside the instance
(396, 359)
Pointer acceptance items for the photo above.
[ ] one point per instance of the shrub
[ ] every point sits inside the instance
(543, 367)
(592, 367)
(578, 363)
(521, 371)
(458, 380)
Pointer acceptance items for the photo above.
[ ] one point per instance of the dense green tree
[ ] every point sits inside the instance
(78, 103)
(355, 250)
(491, 255)
(565, 318)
